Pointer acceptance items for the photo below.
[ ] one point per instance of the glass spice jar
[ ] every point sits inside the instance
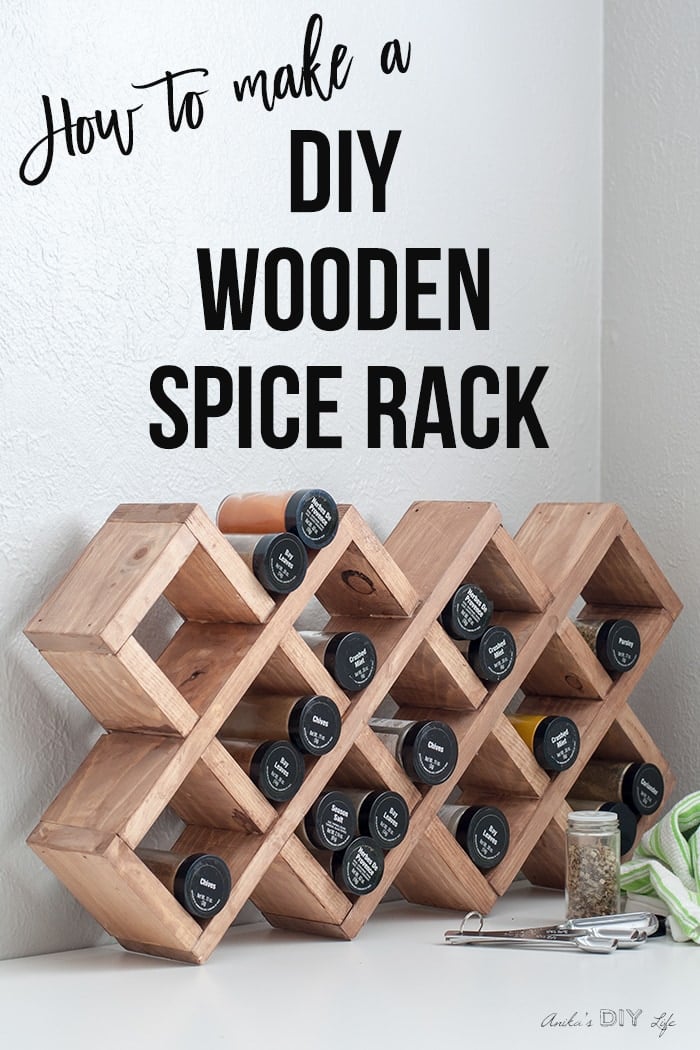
(310, 514)
(592, 864)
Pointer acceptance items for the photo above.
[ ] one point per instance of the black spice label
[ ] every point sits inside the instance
(625, 645)
(388, 824)
(488, 840)
(564, 744)
(471, 610)
(361, 663)
(434, 753)
(317, 518)
(500, 654)
(279, 773)
(336, 825)
(285, 564)
(363, 868)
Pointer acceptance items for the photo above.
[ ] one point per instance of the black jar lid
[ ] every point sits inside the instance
(643, 787)
(556, 743)
(627, 820)
(331, 822)
(278, 770)
(360, 867)
(429, 752)
(468, 612)
(351, 658)
(483, 833)
(618, 645)
(492, 656)
(202, 884)
(314, 724)
(384, 816)
(280, 562)
(312, 515)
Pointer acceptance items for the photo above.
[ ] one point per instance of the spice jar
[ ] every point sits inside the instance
(616, 643)
(330, 823)
(310, 514)
(279, 561)
(483, 832)
(275, 766)
(349, 656)
(200, 882)
(492, 656)
(468, 612)
(427, 750)
(639, 784)
(627, 818)
(553, 739)
(358, 869)
(312, 723)
(592, 864)
(383, 815)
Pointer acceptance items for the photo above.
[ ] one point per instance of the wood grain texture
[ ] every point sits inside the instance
(111, 587)
(125, 691)
(236, 641)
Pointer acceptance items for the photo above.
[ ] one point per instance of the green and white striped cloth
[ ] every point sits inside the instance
(664, 872)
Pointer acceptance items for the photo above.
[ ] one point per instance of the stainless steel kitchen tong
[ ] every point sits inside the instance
(599, 934)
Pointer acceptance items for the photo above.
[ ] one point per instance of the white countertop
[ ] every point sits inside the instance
(396, 985)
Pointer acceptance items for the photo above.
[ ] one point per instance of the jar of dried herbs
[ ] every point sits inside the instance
(592, 864)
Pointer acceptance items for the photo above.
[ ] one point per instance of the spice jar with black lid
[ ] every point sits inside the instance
(358, 869)
(383, 815)
(639, 784)
(349, 656)
(592, 864)
(312, 723)
(331, 822)
(275, 766)
(427, 749)
(310, 514)
(468, 612)
(616, 643)
(626, 817)
(483, 832)
(553, 739)
(492, 656)
(278, 561)
(200, 882)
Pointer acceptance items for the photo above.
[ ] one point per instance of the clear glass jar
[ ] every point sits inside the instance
(592, 864)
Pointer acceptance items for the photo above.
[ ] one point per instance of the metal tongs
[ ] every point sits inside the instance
(599, 934)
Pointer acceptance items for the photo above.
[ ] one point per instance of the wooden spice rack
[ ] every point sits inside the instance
(162, 715)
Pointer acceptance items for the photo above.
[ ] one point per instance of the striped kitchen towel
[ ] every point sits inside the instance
(665, 869)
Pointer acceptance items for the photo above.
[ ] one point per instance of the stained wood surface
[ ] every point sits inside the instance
(237, 641)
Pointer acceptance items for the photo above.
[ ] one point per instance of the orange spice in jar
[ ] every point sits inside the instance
(309, 514)
(553, 739)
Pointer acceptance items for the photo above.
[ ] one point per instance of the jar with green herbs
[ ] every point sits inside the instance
(592, 864)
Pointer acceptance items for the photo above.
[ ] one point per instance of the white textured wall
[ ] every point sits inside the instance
(651, 321)
(501, 118)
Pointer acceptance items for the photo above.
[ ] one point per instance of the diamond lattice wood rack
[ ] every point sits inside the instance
(161, 716)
